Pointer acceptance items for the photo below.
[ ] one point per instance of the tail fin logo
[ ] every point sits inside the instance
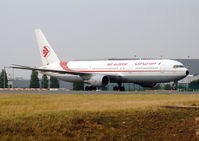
(45, 51)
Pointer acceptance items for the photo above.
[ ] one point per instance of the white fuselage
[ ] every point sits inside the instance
(123, 71)
(102, 72)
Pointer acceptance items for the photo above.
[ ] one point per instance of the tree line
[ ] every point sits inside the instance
(34, 81)
(54, 83)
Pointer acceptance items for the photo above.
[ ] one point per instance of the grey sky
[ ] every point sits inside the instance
(93, 29)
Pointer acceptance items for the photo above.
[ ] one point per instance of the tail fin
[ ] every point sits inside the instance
(48, 55)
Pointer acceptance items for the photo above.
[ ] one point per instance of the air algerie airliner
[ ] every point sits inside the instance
(99, 73)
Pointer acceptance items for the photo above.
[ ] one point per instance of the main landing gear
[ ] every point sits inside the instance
(175, 85)
(90, 88)
(119, 87)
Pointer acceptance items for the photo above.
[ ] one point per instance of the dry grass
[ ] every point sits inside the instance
(59, 117)
(13, 104)
(157, 125)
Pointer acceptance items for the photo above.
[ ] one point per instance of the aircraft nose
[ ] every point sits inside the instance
(187, 72)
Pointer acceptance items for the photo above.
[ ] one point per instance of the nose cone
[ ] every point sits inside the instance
(187, 72)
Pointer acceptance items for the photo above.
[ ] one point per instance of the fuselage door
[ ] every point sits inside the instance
(162, 67)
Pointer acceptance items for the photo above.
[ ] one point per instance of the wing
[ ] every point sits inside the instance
(48, 70)
(84, 75)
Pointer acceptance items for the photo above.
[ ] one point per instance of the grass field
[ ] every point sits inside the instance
(96, 117)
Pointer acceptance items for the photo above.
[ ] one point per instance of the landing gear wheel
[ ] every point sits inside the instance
(87, 88)
(90, 88)
(175, 85)
(122, 89)
(119, 88)
(93, 88)
(115, 88)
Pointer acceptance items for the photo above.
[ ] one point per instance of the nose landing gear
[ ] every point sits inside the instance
(175, 85)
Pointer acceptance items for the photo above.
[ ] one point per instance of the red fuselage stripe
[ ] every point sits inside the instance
(124, 71)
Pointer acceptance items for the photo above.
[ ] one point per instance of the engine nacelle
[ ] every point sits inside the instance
(147, 84)
(98, 80)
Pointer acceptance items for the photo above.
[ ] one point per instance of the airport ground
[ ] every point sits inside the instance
(97, 116)
(61, 91)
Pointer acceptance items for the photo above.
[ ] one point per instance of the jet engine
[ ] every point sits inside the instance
(98, 80)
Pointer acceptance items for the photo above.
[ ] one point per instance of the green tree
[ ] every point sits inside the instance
(3, 79)
(194, 85)
(44, 81)
(34, 81)
(167, 87)
(78, 86)
(182, 87)
(157, 87)
(54, 83)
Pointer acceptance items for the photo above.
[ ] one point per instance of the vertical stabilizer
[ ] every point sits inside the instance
(48, 55)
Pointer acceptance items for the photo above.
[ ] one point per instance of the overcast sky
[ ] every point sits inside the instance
(95, 29)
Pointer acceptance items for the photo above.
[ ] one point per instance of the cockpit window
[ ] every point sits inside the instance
(178, 66)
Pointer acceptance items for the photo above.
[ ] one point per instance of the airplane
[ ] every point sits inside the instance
(99, 73)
